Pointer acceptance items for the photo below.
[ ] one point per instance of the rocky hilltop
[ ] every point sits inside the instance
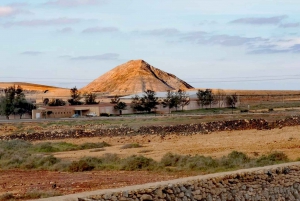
(133, 77)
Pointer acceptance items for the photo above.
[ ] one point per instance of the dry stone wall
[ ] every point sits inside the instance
(183, 129)
(279, 182)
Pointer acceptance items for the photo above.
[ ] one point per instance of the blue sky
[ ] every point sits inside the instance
(232, 44)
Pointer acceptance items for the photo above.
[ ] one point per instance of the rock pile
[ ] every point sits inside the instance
(276, 183)
(205, 128)
(74, 133)
(182, 129)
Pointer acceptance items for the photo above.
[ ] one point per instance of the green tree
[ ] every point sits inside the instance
(149, 100)
(205, 97)
(19, 102)
(183, 98)
(120, 106)
(6, 107)
(46, 101)
(169, 101)
(117, 104)
(56, 102)
(75, 96)
(201, 97)
(210, 98)
(115, 100)
(90, 98)
(14, 102)
(136, 104)
(231, 101)
(22, 107)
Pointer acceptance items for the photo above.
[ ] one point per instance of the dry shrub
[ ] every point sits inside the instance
(138, 163)
(130, 146)
(80, 166)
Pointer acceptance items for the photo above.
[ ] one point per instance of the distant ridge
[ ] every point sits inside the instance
(29, 86)
(133, 77)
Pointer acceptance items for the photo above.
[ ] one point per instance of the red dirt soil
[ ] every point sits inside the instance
(18, 182)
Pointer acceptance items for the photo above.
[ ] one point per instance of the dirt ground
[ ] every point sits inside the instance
(252, 142)
(19, 182)
(218, 144)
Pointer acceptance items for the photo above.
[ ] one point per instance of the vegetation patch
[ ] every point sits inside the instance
(25, 155)
(145, 151)
(35, 194)
(22, 154)
(130, 146)
(63, 146)
(138, 163)
(81, 166)
(97, 150)
(234, 160)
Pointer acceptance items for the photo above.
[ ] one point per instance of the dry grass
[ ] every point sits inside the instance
(131, 145)
(35, 194)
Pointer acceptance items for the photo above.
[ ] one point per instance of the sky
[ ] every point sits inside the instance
(231, 44)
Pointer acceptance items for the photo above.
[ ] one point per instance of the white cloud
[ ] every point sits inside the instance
(162, 32)
(7, 11)
(260, 20)
(65, 30)
(100, 30)
(32, 53)
(291, 45)
(13, 9)
(74, 3)
(48, 22)
(289, 25)
(106, 56)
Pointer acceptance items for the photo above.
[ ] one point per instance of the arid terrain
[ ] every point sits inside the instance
(20, 182)
(251, 142)
(254, 143)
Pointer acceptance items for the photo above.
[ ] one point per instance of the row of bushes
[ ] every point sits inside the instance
(35, 194)
(174, 162)
(19, 154)
(23, 154)
(64, 146)
(48, 146)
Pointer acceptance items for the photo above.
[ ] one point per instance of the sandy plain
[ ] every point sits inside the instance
(218, 144)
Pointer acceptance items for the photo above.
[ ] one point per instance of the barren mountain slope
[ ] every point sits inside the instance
(135, 76)
(29, 86)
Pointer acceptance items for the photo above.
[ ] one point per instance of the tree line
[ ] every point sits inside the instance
(14, 102)
(76, 96)
(179, 99)
(206, 98)
(148, 101)
(88, 99)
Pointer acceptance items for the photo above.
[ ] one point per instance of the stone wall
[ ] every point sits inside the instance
(182, 129)
(279, 182)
